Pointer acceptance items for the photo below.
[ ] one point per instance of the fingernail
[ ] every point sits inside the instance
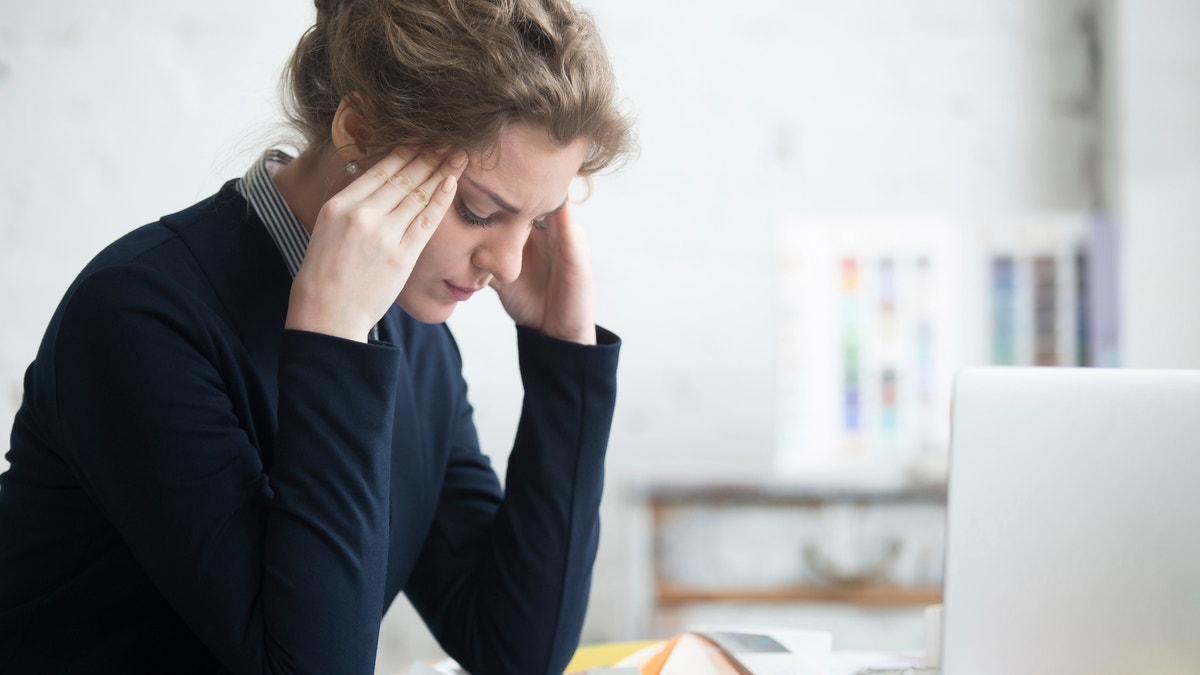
(448, 184)
(459, 160)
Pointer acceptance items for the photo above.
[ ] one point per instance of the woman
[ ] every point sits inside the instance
(246, 430)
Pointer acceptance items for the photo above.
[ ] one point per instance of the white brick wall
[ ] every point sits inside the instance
(114, 113)
(764, 107)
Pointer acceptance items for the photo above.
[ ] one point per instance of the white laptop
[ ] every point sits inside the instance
(1074, 523)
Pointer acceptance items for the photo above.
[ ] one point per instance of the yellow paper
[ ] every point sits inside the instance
(606, 654)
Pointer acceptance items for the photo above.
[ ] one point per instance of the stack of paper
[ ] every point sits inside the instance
(724, 651)
(714, 650)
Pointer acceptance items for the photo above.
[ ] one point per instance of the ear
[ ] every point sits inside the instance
(349, 131)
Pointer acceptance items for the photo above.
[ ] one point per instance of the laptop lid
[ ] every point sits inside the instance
(1073, 537)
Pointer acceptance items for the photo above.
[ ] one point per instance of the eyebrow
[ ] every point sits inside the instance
(503, 204)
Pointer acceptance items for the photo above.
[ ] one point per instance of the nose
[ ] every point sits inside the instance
(501, 253)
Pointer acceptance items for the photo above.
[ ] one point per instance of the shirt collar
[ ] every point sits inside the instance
(285, 229)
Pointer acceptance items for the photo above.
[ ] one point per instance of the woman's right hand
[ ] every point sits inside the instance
(366, 240)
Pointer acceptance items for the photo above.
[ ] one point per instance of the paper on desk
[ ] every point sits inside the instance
(694, 655)
(852, 663)
(709, 650)
(643, 656)
(772, 651)
(450, 667)
(446, 667)
(589, 659)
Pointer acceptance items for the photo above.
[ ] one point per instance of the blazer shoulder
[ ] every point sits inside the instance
(179, 258)
(162, 243)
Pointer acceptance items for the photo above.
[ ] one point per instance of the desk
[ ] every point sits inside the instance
(595, 658)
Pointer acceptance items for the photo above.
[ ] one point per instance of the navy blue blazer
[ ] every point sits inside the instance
(194, 488)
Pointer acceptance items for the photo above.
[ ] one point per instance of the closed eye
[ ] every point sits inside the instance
(471, 218)
(475, 220)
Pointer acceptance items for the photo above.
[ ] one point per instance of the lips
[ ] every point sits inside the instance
(461, 293)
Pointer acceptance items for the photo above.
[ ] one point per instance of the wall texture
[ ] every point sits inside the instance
(115, 113)
(1156, 180)
(966, 109)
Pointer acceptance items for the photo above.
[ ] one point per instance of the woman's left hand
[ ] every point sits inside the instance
(553, 294)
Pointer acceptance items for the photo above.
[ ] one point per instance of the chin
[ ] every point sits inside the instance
(427, 312)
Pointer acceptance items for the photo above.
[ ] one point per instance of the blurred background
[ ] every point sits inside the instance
(836, 205)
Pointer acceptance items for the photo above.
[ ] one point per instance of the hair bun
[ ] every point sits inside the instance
(327, 6)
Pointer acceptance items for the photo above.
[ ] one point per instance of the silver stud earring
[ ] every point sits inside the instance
(352, 167)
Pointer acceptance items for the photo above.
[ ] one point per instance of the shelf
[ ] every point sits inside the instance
(867, 596)
(784, 493)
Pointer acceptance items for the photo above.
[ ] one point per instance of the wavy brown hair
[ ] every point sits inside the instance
(457, 73)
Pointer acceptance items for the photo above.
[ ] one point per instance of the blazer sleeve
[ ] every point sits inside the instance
(503, 582)
(278, 574)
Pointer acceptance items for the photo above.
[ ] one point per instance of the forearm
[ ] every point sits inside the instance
(325, 550)
(523, 606)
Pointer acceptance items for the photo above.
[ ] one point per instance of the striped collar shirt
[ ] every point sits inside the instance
(285, 229)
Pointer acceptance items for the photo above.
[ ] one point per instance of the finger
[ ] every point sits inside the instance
(560, 225)
(561, 218)
(420, 229)
(413, 203)
(377, 174)
(570, 239)
(400, 184)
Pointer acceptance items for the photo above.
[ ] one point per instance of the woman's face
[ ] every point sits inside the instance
(495, 210)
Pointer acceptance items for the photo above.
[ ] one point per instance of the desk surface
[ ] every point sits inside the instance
(840, 662)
